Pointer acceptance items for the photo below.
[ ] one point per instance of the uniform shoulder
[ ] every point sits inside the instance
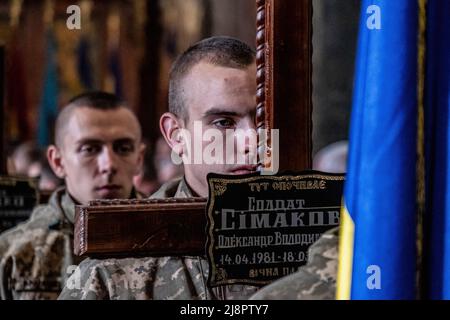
(327, 245)
(41, 217)
(314, 281)
(302, 285)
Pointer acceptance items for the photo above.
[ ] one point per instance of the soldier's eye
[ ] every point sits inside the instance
(89, 149)
(124, 148)
(224, 123)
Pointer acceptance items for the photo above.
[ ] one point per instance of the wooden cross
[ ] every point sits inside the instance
(284, 78)
(172, 227)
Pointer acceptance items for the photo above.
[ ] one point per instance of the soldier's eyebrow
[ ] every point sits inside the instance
(124, 141)
(218, 111)
(89, 141)
(225, 112)
(98, 141)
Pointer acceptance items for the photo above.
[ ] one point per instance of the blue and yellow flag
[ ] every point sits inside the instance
(437, 116)
(395, 232)
(378, 231)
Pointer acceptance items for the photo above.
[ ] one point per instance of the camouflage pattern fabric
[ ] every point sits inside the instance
(36, 254)
(164, 278)
(314, 281)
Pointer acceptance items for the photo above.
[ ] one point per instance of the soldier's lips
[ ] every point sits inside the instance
(107, 191)
(244, 170)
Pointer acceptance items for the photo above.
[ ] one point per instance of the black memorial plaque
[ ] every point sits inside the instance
(18, 197)
(260, 227)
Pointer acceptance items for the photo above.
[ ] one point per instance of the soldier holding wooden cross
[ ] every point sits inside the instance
(212, 86)
(97, 152)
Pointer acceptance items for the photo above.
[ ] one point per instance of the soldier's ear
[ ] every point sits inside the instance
(171, 129)
(55, 160)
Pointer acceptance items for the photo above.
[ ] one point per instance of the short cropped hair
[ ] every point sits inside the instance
(98, 100)
(220, 51)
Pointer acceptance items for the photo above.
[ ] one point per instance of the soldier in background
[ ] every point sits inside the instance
(97, 152)
(332, 158)
(25, 160)
(213, 84)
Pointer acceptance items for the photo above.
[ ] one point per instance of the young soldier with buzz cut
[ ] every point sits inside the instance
(97, 152)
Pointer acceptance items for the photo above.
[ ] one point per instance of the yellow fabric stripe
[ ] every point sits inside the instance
(346, 240)
(420, 166)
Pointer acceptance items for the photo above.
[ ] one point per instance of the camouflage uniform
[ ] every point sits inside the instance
(36, 253)
(316, 280)
(150, 277)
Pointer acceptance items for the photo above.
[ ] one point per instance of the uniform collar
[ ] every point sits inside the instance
(68, 207)
(65, 204)
(183, 190)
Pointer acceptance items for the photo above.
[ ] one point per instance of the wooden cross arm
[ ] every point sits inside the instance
(141, 227)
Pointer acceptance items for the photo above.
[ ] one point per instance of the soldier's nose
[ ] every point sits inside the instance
(107, 161)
